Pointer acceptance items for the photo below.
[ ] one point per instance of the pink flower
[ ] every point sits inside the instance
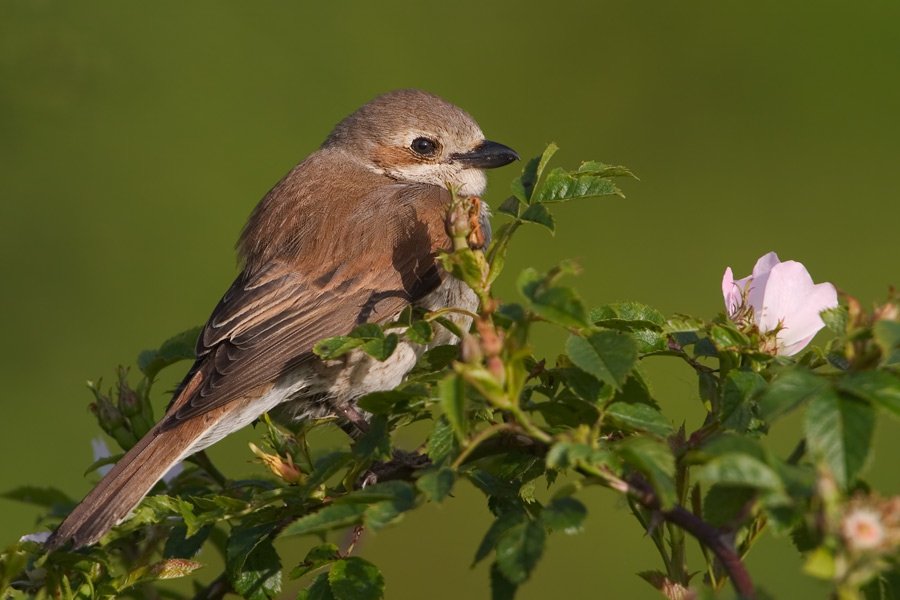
(779, 298)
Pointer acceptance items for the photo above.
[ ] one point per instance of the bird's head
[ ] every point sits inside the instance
(414, 136)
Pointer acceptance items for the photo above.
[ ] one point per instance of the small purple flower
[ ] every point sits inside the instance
(779, 298)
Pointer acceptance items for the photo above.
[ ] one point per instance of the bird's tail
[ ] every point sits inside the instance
(122, 488)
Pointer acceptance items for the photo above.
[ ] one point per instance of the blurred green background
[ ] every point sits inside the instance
(135, 138)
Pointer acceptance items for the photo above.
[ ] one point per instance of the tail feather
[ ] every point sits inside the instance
(122, 488)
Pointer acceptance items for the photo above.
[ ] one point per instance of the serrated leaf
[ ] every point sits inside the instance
(180, 545)
(839, 430)
(523, 186)
(436, 359)
(510, 206)
(381, 348)
(399, 497)
(452, 391)
(603, 170)
(316, 558)
(740, 388)
(739, 470)
(47, 497)
(420, 332)
(878, 387)
(333, 516)
(724, 503)
(788, 391)
(319, 590)
(887, 336)
(726, 337)
(519, 549)
(177, 348)
(555, 303)
(607, 355)
(836, 319)
(639, 417)
(241, 544)
(368, 331)
(560, 186)
(335, 347)
(654, 459)
(564, 514)
(355, 578)
(172, 568)
(260, 575)
(501, 525)
(325, 467)
(684, 324)
(538, 213)
(437, 484)
(443, 445)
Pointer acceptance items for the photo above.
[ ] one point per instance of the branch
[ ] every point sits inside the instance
(708, 535)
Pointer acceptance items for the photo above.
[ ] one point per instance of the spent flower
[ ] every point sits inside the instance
(781, 301)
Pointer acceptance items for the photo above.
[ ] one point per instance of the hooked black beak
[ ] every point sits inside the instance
(487, 155)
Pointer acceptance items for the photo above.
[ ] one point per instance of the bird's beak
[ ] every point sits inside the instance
(486, 155)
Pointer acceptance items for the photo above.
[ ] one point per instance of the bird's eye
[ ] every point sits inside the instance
(423, 146)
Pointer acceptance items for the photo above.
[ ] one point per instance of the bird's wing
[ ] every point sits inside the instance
(268, 321)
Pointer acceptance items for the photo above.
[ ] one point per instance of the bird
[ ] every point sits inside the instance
(349, 236)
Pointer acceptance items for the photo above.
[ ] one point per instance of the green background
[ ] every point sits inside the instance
(135, 138)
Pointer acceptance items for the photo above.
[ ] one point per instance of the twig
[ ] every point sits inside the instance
(217, 589)
(703, 531)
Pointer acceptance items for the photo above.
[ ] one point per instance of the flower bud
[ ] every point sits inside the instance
(284, 469)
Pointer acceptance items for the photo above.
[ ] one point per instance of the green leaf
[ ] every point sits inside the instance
(355, 578)
(519, 549)
(177, 348)
(381, 348)
(740, 388)
(336, 347)
(319, 590)
(368, 331)
(788, 391)
(836, 319)
(242, 543)
(387, 500)
(501, 525)
(420, 332)
(607, 355)
(437, 484)
(878, 387)
(555, 303)
(654, 459)
(645, 323)
(684, 324)
(726, 337)
(325, 467)
(523, 186)
(316, 558)
(639, 417)
(538, 213)
(260, 575)
(560, 186)
(887, 336)
(724, 503)
(740, 470)
(180, 545)
(47, 497)
(510, 207)
(839, 431)
(443, 445)
(452, 391)
(468, 266)
(436, 359)
(333, 516)
(501, 587)
(564, 514)
(603, 170)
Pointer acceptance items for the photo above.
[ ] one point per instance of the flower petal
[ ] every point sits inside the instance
(760, 279)
(792, 299)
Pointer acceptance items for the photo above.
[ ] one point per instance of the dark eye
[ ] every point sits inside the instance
(423, 146)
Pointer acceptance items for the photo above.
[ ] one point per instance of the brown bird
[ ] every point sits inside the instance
(349, 236)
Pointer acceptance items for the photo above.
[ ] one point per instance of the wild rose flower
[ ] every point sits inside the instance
(780, 299)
